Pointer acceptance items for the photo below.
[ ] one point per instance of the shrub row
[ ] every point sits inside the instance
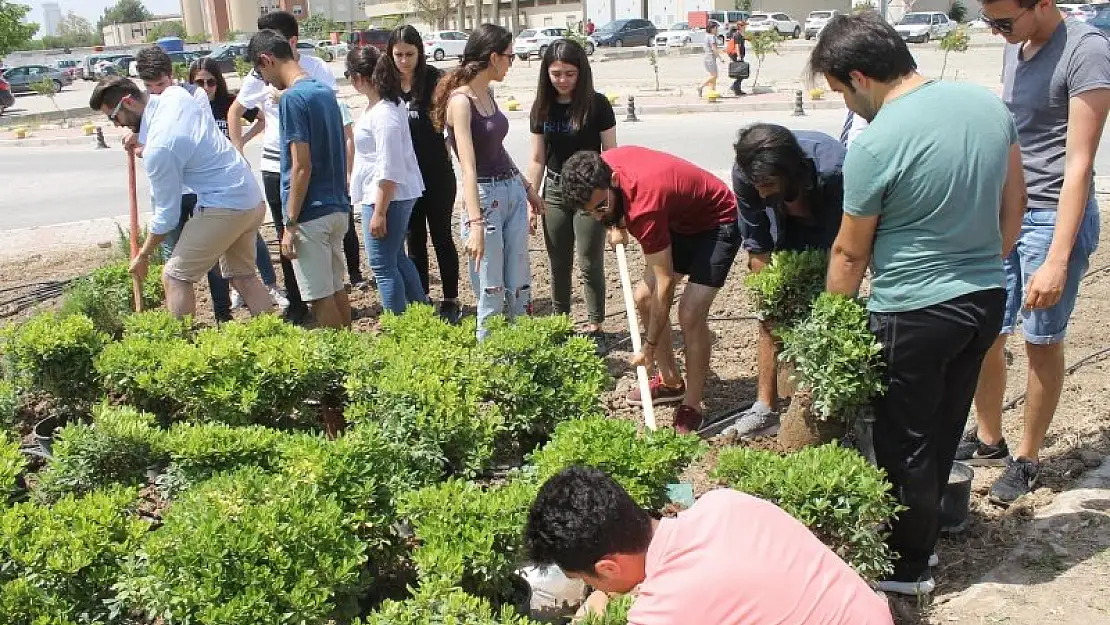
(53, 354)
(784, 290)
(436, 603)
(12, 463)
(105, 296)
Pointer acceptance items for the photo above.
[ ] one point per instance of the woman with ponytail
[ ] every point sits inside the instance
(496, 195)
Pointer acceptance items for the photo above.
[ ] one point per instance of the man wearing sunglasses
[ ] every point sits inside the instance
(1056, 83)
(183, 148)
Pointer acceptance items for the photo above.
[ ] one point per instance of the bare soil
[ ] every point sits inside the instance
(1078, 439)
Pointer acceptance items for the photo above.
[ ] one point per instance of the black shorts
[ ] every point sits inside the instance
(706, 257)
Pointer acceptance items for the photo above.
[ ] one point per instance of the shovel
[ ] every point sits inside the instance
(634, 331)
(136, 283)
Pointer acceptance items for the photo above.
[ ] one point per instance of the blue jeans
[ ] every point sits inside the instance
(396, 275)
(1046, 326)
(502, 279)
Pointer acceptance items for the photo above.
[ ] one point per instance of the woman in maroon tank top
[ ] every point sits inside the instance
(497, 197)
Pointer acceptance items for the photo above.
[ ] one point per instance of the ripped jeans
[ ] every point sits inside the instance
(502, 279)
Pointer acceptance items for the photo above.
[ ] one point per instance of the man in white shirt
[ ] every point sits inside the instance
(183, 147)
(255, 93)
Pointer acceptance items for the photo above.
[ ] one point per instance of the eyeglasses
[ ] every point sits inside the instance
(508, 55)
(205, 82)
(115, 112)
(1004, 25)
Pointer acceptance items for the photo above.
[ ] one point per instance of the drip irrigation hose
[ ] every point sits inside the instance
(1011, 404)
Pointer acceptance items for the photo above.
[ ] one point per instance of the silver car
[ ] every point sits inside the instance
(23, 76)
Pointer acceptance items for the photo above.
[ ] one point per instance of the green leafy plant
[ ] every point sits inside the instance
(105, 296)
(197, 451)
(247, 547)
(470, 536)
(784, 290)
(116, 448)
(12, 463)
(48, 88)
(9, 404)
(54, 354)
(440, 603)
(181, 72)
(957, 40)
(616, 612)
(835, 356)
(242, 66)
(157, 325)
(653, 61)
(642, 464)
(958, 12)
(60, 561)
(832, 490)
(762, 44)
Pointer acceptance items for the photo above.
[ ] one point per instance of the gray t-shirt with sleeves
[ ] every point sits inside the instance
(1038, 90)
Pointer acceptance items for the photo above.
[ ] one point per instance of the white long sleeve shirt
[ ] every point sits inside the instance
(383, 151)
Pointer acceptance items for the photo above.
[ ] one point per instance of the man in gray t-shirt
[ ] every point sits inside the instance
(1056, 83)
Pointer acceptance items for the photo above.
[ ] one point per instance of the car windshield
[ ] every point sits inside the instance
(820, 14)
(612, 26)
(527, 33)
(681, 26)
(221, 50)
(915, 18)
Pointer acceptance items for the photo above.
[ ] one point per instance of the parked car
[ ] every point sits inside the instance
(330, 51)
(680, 34)
(1101, 21)
(1081, 12)
(535, 41)
(7, 100)
(20, 78)
(377, 37)
(783, 23)
(816, 20)
(177, 57)
(440, 44)
(226, 54)
(123, 63)
(92, 61)
(625, 32)
(921, 26)
(72, 67)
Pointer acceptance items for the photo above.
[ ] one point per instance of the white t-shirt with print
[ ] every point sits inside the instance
(255, 93)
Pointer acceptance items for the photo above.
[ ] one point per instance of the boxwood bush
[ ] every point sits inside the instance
(832, 490)
(9, 404)
(157, 325)
(616, 612)
(784, 290)
(246, 547)
(53, 354)
(469, 536)
(197, 451)
(11, 465)
(58, 563)
(436, 604)
(105, 295)
(642, 463)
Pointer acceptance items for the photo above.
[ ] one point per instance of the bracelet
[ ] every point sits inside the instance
(476, 220)
(650, 342)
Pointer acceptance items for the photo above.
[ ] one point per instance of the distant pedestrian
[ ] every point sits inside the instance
(590, 27)
(740, 46)
(711, 57)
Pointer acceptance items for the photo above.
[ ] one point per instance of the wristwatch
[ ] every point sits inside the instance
(291, 223)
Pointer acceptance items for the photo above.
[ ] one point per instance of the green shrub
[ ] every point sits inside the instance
(834, 491)
(54, 354)
(642, 464)
(469, 536)
(130, 370)
(438, 604)
(835, 356)
(246, 547)
(9, 404)
(116, 448)
(157, 325)
(197, 451)
(616, 612)
(784, 290)
(58, 563)
(11, 465)
(106, 295)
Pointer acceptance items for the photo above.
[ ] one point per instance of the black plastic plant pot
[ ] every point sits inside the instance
(44, 433)
(956, 500)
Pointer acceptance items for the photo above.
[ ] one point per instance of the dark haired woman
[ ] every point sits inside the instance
(569, 116)
(496, 196)
(385, 180)
(405, 61)
(204, 73)
(711, 55)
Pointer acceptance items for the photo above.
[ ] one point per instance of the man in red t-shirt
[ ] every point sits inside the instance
(685, 219)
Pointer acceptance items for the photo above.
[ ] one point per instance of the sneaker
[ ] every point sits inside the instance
(297, 315)
(758, 420)
(1018, 479)
(278, 298)
(450, 311)
(687, 419)
(236, 300)
(924, 586)
(979, 454)
(934, 560)
(660, 393)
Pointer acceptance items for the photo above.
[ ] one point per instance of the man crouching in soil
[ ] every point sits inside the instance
(685, 220)
(731, 559)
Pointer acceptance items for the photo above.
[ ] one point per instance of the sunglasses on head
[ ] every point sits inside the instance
(205, 82)
(1004, 25)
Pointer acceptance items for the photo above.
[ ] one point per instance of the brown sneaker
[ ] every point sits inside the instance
(660, 393)
(687, 419)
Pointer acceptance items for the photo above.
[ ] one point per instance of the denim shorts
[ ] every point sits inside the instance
(1048, 325)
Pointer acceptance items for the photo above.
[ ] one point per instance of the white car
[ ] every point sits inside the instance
(1081, 12)
(327, 50)
(816, 20)
(678, 35)
(536, 41)
(921, 26)
(440, 44)
(783, 23)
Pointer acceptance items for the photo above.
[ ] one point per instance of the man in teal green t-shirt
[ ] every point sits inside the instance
(933, 199)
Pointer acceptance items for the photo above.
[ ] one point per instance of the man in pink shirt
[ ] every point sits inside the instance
(731, 559)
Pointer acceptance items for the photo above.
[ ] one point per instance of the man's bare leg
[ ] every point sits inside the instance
(254, 293)
(326, 311)
(181, 300)
(664, 358)
(990, 391)
(693, 315)
(343, 304)
(1043, 386)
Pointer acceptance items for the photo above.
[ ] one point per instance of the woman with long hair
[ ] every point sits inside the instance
(569, 116)
(496, 196)
(712, 54)
(406, 63)
(385, 180)
(204, 73)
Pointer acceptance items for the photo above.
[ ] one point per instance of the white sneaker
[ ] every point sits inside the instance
(236, 299)
(934, 560)
(278, 297)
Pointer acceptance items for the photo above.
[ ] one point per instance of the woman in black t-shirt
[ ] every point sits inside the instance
(569, 116)
(405, 60)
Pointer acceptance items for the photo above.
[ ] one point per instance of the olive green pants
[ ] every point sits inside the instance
(563, 230)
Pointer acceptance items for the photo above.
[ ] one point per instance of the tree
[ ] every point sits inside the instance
(124, 12)
(958, 12)
(73, 25)
(166, 29)
(46, 87)
(434, 12)
(14, 34)
(764, 43)
(319, 26)
(956, 40)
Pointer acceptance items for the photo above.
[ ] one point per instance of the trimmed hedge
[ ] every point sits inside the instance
(53, 354)
(784, 290)
(12, 463)
(437, 604)
(105, 295)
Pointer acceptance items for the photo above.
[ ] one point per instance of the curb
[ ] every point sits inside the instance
(32, 142)
(730, 105)
(78, 112)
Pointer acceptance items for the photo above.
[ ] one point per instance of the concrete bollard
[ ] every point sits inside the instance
(798, 110)
(631, 117)
(100, 144)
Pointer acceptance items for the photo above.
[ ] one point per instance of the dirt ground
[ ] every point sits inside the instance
(1077, 441)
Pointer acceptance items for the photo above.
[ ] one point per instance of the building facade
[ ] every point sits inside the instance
(51, 18)
(134, 33)
(216, 18)
(530, 14)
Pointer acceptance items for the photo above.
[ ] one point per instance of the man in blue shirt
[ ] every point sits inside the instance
(790, 191)
(183, 148)
(313, 178)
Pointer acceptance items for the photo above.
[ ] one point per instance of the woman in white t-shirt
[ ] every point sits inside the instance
(386, 180)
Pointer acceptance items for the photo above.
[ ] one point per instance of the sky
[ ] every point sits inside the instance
(93, 9)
